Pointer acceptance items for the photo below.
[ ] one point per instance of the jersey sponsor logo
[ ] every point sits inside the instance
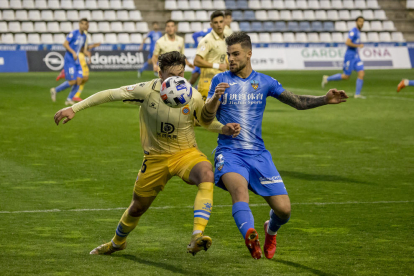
(255, 84)
(270, 180)
(167, 128)
(131, 87)
(233, 83)
(219, 162)
(153, 105)
(186, 110)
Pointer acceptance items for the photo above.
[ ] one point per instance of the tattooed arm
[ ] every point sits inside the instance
(302, 102)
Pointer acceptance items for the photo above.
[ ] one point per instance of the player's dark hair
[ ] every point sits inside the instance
(171, 59)
(241, 38)
(359, 18)
(216, 14)
(228, 13)
(83, 20)
(169, 21)
(153, 23)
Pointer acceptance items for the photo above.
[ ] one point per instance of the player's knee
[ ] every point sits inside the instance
(345, 77)
(207, 176)
(361, 75)
(284, 213)
(72, 82)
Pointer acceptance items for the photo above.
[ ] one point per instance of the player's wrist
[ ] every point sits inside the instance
(216, 66)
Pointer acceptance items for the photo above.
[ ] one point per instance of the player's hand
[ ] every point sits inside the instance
(191, 65)
(223, 67)
(335, 96)
(64, 113)
(220, 88)
(156, 69)
(75, 56)
(232, 129)
(361, 45)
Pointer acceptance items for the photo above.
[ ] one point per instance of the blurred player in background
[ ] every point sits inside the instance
(211, 53)
(227, 21)
(153, 35)
(168, 43)
(352, 61)
(73, 44)
(170, 149)
(243, 163)
(404, 83)
(196, 71)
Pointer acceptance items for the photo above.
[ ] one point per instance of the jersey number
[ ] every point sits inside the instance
(144, 166)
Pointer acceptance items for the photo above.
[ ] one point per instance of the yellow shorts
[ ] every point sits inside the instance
(204, 87)
(156, 170)
(82, 61)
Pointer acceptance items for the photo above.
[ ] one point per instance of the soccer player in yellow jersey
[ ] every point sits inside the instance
(211, 53)
(168, 43)
(170, 149)
(228, 17)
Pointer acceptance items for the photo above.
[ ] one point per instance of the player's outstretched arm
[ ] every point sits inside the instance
(209, 110)
(302, 102)
(67, 113)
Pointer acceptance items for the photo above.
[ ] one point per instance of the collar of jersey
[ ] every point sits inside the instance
(157, 86)
(214, 34)
(249, 77)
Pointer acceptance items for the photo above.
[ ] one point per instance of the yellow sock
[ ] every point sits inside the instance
(125, 226)
(202, 206)
(77, 95)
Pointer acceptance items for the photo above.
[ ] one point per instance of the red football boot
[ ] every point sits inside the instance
(77, 99)
(61, 75)
(401, 85)
(252, 243)
(270, 243)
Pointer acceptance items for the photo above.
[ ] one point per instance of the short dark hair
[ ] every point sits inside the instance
(83, 20)
(241, 38)
(153, 23)
(228, 12)
(169, 21)
(359, 18)
(216, 14)
(171, 59)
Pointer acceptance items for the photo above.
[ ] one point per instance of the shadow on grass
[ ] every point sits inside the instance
(321, 177)
(304, 267)
(162, 265)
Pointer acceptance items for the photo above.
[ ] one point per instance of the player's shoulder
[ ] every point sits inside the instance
(222, 76)
(266, 79)
(179, 38)
(144, 87)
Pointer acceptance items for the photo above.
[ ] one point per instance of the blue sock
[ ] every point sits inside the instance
(275, 222)
(144, 67)
(243, 217)
(73, 91)
(359, 84)
(335, 77)
(410, 83)
(63, 86)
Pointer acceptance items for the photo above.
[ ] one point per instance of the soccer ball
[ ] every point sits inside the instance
(176, 92)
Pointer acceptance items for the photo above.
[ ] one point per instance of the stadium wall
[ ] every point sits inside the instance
(275, 56)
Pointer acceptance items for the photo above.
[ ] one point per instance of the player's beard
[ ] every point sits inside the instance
(239, 68)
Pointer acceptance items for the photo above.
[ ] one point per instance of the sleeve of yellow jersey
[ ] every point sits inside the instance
(215, 126)
(203, 48)
(182, 47)
(135, 93)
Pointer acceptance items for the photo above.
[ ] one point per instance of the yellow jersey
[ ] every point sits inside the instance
(212, 49)
(227, 31)
(164, 45)
(163, 130)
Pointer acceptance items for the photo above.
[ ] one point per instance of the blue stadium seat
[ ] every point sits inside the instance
(237, 16)
(280, 26)
(269, 26)
(231, 5)
(317, 26)
(328, 26)
(249, 15)
(243, 5)
(245, 27)
(293, 26)
(257, 27)
(305, 26)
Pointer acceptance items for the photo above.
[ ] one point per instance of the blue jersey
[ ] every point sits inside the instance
(244, 102)
(76, 43)
(355, 35)
(200, 34)
(153, 36)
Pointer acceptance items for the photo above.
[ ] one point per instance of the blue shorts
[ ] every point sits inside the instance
(72, 70)
(255, 166)
(196, 70)
(352, 63)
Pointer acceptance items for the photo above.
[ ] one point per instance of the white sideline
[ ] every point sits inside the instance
(188, 207)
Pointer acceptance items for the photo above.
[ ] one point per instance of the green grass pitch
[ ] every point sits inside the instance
(348, 168)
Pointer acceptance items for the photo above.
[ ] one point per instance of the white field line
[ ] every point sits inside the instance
(190, 207)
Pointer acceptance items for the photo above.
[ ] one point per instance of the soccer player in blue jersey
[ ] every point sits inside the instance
(196, 71)
(243, 163)
(153, 35)
(352, 61)
(73, 44)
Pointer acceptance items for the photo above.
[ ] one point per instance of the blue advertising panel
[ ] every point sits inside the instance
(13, 61)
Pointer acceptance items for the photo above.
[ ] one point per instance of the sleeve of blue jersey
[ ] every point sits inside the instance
(70, 36)
(214, 82)
(351, 34)
(275, 89)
